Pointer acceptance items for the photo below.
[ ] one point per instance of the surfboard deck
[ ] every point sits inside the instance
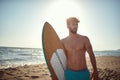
(53, 52)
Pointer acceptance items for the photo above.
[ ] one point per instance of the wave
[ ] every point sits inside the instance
(15, 59)
(107, 53)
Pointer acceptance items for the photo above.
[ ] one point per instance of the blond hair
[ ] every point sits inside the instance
(72, 19)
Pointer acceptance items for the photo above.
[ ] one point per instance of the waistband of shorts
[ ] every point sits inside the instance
(78, 70)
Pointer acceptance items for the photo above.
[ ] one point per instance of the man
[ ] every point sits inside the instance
(75, 47)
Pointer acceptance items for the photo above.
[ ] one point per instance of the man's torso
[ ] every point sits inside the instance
(75, 52)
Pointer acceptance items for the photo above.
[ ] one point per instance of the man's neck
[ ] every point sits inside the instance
(72, 35)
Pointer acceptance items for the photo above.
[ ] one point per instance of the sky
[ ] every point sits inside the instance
(21, 21)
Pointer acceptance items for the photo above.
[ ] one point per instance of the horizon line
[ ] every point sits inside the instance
(41, 48)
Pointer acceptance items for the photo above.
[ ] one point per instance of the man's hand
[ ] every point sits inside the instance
(95, 75)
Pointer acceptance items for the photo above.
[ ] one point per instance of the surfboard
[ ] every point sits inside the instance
(53, 52)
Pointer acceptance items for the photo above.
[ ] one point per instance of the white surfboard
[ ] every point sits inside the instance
(58, 62)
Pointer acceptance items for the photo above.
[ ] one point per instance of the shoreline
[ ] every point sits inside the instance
(108, 69)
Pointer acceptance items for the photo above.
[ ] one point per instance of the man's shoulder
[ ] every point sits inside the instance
(64, 39)
(84, 37)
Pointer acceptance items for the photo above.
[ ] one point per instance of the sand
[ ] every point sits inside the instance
(108, 68)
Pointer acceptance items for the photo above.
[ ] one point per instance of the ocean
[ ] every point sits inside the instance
(15, 56)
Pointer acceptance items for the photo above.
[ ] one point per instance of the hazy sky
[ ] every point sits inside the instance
(21, 21)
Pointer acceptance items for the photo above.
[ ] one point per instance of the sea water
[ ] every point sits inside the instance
(10, 57)
(15, 56)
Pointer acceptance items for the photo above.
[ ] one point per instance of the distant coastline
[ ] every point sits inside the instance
(20, 47)
(41, 48)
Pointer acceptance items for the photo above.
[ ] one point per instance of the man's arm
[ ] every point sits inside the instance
(89, 49)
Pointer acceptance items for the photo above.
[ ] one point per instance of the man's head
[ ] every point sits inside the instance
(72, 24)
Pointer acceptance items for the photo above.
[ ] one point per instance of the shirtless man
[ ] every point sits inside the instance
(75, 47)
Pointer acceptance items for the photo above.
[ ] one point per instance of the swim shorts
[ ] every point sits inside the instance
(77, 75)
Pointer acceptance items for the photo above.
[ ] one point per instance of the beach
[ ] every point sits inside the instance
(108, 69)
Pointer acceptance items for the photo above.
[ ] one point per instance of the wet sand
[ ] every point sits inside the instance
(108, 68)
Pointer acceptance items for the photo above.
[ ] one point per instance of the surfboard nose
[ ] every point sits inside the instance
(46, 24)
